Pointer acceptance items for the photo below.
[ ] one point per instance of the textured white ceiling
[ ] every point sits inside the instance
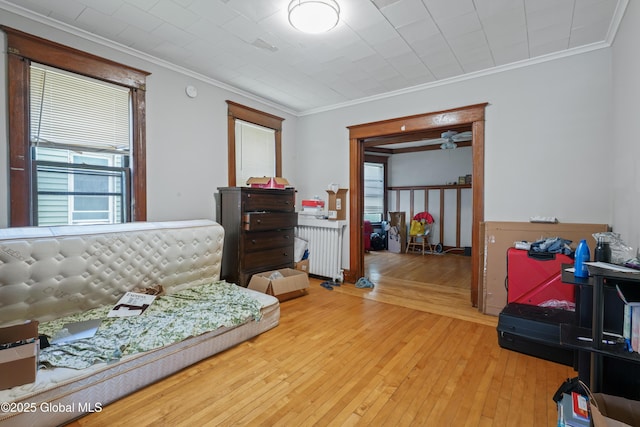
(379, 46)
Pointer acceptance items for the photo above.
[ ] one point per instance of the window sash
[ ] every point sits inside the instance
(60, 192)
(373, 191)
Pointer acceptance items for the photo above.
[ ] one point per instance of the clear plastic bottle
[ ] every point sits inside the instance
(582, 255)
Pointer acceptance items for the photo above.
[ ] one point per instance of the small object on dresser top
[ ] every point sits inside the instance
(268, 182)
(544, 219)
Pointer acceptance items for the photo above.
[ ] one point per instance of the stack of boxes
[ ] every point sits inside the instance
(313, 206)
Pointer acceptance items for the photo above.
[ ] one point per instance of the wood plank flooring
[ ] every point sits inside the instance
(439, 284)
(407, 353)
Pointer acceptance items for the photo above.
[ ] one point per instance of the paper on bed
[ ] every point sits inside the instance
(131, 304)
(76, 331)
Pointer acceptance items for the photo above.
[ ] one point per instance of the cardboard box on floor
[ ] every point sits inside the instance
(303, 265)
(293, 283)
(19, 363)
(614, 411)
(500, 236)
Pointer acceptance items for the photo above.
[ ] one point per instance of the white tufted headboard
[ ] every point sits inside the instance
(50, 272)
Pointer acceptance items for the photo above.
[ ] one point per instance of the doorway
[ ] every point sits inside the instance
(402, 129)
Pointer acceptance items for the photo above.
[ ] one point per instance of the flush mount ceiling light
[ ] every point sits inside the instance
(314, 16)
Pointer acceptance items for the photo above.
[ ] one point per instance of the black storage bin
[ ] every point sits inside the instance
(535, 331)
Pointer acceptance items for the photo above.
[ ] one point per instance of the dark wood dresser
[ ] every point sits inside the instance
(259, 230)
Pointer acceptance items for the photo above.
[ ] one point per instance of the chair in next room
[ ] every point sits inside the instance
(420, 233)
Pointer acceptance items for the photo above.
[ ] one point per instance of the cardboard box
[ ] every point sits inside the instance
(19, 363)
(268, 182)
(303, 265)
(337, 204)
(614, 411)
(293, 283)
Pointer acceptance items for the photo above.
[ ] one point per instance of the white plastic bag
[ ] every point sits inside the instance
(620, 252)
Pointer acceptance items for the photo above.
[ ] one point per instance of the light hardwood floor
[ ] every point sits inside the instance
(410, 352)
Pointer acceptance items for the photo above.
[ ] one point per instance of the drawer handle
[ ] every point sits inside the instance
(253, 241)
(258, 221)
(286, 237)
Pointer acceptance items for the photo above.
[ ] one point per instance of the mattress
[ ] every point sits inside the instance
(47, 273)
(51, 272)
(62, 394)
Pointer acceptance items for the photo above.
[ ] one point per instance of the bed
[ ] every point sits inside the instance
(57, 275)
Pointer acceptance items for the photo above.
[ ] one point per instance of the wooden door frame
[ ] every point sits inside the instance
(472, 115)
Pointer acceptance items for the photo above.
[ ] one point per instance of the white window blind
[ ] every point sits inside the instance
(255, 151)
(373, 191)
(74, 110)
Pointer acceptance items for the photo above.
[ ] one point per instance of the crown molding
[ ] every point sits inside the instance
(608, 42)
(53, 23)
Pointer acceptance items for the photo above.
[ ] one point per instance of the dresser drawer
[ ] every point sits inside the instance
(271, 200)
(264, 260)
(257, 241)
(258, 221)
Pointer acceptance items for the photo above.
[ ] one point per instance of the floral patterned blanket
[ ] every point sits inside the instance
(171, 318)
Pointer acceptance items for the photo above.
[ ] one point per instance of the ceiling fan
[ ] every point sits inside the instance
(451, 137)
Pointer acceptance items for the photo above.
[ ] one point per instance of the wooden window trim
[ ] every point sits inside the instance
(251, 115)
(22, 49)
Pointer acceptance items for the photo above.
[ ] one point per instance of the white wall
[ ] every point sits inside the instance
(186, 138)
(624, 169)
(547, 128)
(434, 167)
(544, 124)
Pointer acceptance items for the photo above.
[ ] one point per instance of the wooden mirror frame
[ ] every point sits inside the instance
(247, 114)
(472, 115)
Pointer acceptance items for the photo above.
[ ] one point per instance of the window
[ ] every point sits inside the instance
(75, 188)
(80, 139)
(76, 135)
(254, 143)
(374, 192)
(255, 151)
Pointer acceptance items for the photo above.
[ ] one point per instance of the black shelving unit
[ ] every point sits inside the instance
(604, 362)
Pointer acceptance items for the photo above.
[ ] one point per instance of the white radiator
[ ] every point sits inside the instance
(325, 245)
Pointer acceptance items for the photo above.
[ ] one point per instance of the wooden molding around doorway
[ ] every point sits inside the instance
(473, 116)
